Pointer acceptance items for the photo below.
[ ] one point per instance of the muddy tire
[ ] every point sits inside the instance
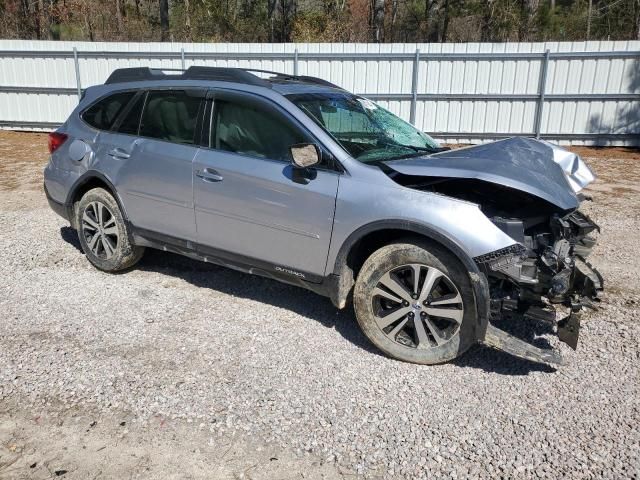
(414, 302)
(103, 233)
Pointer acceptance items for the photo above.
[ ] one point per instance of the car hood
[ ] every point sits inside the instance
(533, 166)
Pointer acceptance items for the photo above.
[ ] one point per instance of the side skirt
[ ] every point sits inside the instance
(280, 273)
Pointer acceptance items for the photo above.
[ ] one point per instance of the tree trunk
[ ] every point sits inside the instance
(187, 22)
(425, 20)
(637, 19)
(527, 31)
(589, 19)
(119, 18)
(164, 20)
(394, 17)
(86, 10)
(42, 24)
(271, 14)
(445, 23)
(378, 21)
(486, 31)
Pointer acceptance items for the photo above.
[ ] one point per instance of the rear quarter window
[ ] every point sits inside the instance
(102, 114)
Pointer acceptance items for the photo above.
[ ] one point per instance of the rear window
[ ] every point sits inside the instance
(103, 113)
(171, 116)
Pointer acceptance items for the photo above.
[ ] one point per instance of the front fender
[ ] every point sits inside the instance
(343, 280)
(459, 226)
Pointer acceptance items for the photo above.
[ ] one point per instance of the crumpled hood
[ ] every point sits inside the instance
(533, 166)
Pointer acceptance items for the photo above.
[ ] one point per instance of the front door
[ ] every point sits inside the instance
(250, 201)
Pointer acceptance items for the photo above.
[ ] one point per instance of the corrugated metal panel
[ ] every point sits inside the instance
(491, 91)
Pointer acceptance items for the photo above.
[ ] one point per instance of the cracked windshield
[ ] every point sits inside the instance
(365, 129)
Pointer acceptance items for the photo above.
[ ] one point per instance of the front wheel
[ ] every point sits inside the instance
(103, 232)
(415, 303)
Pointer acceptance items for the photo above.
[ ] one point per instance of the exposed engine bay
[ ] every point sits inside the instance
(547, 266)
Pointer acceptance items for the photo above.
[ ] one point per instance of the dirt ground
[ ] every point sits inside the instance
(58, 441)
(47, 432)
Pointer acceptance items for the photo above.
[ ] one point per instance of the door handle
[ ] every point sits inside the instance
(209, 175)
(119, 153)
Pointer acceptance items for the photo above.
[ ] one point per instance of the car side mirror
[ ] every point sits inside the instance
(305, 155)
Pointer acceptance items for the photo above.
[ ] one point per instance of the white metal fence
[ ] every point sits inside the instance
(580, 93)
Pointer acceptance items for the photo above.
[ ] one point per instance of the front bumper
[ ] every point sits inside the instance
(530, 280)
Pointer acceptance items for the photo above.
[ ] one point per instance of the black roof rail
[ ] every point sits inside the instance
(298, 78)
(138, 74)
(223, 74)
(121, 75)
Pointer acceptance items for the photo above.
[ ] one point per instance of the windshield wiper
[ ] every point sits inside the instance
(428, 149)
(419, 151)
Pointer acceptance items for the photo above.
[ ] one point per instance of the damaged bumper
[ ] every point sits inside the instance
(533, 279)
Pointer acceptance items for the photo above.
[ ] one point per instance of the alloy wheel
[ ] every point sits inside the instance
(100, 230)
(417, 306)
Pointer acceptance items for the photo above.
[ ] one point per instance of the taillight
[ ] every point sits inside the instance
(55, 140)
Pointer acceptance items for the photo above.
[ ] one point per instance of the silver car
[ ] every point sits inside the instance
(296, 179)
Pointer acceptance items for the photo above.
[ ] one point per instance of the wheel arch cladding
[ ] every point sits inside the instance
(88, 181)
(369, 238)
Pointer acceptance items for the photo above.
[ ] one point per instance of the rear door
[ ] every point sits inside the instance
(155, 179)
(250, 201)
(103, 115)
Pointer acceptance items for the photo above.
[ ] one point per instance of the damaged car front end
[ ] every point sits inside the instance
(530, 190)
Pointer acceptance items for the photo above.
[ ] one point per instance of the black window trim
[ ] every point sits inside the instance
(120, 118)
(103, 97)
(331, 165)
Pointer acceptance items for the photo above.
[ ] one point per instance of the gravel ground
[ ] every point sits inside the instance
(275, 372)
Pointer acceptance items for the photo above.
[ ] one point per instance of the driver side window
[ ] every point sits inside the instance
(248, 129)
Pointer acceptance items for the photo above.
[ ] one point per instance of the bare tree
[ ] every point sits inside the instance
(187, 20)
(394, 18)
(445, 21)
(86, 11)
(589, 19)
(487, 21)
(41, 22)
(637, 9)
(378, 21)
(164, 20)
(527, 24)
(288, 9)
(119, 21)
(271, 14)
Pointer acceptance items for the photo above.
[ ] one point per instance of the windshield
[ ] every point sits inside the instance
(366, 130)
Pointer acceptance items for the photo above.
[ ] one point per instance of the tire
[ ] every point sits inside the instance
(103, 233)
(446, 312)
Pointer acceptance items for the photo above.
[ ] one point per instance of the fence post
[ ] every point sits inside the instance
(182, 58)
(542, 85)
(295, 62)
(77, 67)
(414, 87)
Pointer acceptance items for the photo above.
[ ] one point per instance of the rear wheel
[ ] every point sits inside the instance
(415, 303)
(103, 232)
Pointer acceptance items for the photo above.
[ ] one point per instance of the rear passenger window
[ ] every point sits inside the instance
(102, 114)
(131, 121)
(171, 116)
